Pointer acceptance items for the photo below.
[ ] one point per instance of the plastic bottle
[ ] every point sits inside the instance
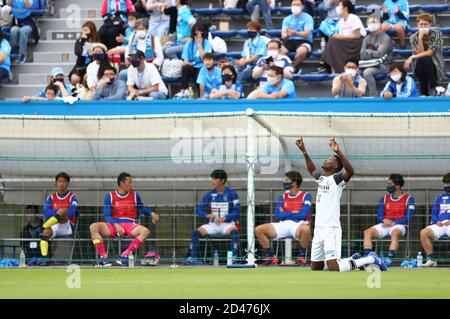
(22, 263)
(191, 93)
(229, 258)
(216, 258)
(130, 260)
(323, 44)
(419, 260)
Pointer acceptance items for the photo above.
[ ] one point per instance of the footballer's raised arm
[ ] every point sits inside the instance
(309, 163)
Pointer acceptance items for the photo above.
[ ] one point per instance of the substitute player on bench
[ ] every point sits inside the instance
(221, 206)
(60, 213)
(326, 244)
(440, 223)
(394, 213)
(293, 214)
(121, 210)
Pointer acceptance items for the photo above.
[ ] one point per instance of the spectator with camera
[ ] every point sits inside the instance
(274, 58)
(349, 84)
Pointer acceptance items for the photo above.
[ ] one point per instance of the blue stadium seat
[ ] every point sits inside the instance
(207, 11)
(402, 53)
(282, 10)
(274, 33)
(170, 80)
(225, 34)
(314, 77)
(448, 75)
(360, 9)
(434, 7)
(414, 8)
(235, 11)
(445, 30)
(39, 8)
(380, 76)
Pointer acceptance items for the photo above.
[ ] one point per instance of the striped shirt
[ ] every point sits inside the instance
(433, 42)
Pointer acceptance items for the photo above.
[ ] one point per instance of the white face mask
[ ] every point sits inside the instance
(296, 10)
(424, 30)
(273, 53)
(272, 80)
(141, 34)
(396, 77)
(339, 11)
(350, 72)
(131, 24)
(373, 27)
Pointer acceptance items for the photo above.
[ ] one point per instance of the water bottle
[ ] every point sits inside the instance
(323, 44)
(22, 263)
(191, 93)
(216, 258)
(419, 260)
(130, 260)
(229, 258)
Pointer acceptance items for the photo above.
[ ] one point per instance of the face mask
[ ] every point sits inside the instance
(373, 27)
(252, 34)
(287, 186)
(99, 56)
(339, 11)
(296, 10)
(273, 53)
(141, 34)
(58, 80)
(227, 77)
(272, 80)
(135, 63)
(447, 189)
(396, 77)
(131, 24)
(350, 72)
(424, 30)
(390, 189)
(111, 81)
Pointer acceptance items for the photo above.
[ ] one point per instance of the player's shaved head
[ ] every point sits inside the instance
(332, 165)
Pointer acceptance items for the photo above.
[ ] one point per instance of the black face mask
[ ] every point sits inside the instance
(58, 80)
(99, 56)
(227, 77)
(252, 34)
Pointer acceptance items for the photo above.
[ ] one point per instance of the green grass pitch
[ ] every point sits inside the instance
(205, 283)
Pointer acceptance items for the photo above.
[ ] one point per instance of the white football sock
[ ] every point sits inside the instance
(364, 261)
(344, 265)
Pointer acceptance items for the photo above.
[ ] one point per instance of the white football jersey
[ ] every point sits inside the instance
(328, 200)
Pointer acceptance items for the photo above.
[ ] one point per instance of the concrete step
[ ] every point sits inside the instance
(19, 91)
(75, 12)
(32, 79)
(55, 57)
(40, 68)
(85, 4)
(55, 46)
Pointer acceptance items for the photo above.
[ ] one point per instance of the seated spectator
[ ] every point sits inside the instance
(161, 14)
(89, 35)
(144, 79)
(185, 22)
(274, 58)
(114, 13)
(23, 27)
(51, 93)
(6, 19)
(346, 43)
(376, 45)
(99, 58)
(31, 230)
(230, 88)
(193, 54)
(297, 32)
(254, 48)
(350, 83)
(209, 77)
(427, 61)
(122, 39)
(395, 15)
(254, 6)
(143, 40)
(5, 57)
(109, 87)
(57, 76)
(276, 87)
(400, 84)
(326, 10)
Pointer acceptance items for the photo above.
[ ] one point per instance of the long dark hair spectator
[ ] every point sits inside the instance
(349, 5)
(199, 27)
(401, 68)
(94, 36)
